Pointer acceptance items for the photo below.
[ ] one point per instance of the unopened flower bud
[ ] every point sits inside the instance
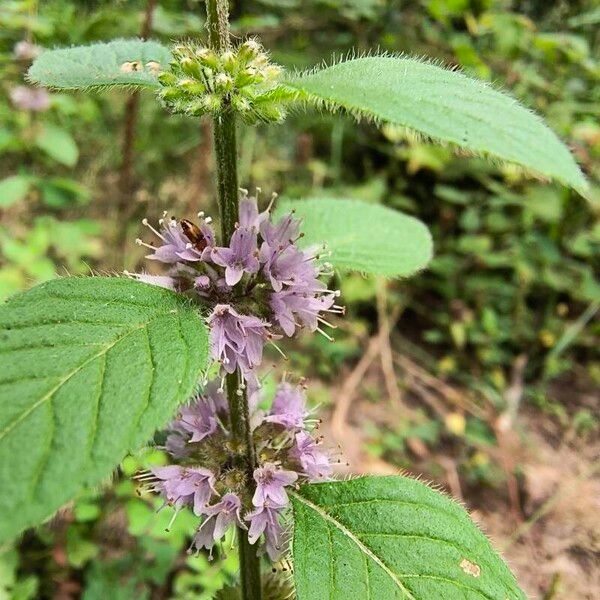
(179, 50)
(248, 76)
(170, 93)
(224, 82)
(228, 60)
(249, 50)
(207, 58)
(190, 67)
(212, 102)
(190, 86)
(196, 108)
(167, 78)
(272, 71)
(240, 104)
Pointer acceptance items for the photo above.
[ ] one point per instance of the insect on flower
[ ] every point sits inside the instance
(193, 233)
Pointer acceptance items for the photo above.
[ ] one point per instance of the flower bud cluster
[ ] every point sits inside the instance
(202, 81)
(207, 477)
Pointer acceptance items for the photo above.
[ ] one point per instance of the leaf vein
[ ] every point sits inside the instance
(365, 549)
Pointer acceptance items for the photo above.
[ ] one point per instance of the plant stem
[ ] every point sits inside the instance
(227, 193)
(227, 182)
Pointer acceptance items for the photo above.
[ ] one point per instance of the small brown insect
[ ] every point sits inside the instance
(193, 233)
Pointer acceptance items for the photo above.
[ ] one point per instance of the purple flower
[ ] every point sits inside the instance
(216, 395)
(185, 486)
(296, 307)
(280, 235)
(220, 517)
(30, 98)
(305, 451)
(240, 257)
(250, 218)
(199, 419)
(289, 407)
(264, 519)
(177, 445)
(270, 484)
(236, 340)
(288, 267)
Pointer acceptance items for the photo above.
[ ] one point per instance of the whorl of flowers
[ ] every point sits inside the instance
(258, 288)
(207, 479)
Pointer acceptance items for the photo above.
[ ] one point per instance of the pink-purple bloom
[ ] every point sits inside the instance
(185, 486)
(240, 257)
(289, 407)
(199, 419)
(250, 218)
(237, 340)
(270, 484)
(220, 516)
(315, 463)
(175, 245)
(265, 520)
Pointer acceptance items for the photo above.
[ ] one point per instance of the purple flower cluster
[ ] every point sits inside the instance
(208, 481)
(259, 287)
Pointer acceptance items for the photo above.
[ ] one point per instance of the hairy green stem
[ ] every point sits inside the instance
(227, 182)
(227, 193)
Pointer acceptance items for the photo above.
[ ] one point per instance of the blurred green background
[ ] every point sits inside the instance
(482, 373)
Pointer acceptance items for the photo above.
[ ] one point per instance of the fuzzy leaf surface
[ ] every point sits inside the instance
(101, 65)
(91, 367)
(444, 105)
(363, 237)
(393, 538)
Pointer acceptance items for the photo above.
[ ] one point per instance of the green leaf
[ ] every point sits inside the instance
(444, 105)
(57, 144)
(13, 189)
(90, 368)
(363, 237)
(391, 537)
(132, 63)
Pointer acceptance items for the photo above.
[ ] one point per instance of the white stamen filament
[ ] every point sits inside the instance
(147, 224)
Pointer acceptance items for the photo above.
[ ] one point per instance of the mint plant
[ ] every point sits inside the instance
(94, 366)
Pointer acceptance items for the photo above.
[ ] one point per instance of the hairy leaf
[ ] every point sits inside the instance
(444, 105)
(90, 368)
(120, 62)
(363, 237)
(391, 537)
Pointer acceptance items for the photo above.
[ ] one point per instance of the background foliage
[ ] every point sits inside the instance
(505, 317)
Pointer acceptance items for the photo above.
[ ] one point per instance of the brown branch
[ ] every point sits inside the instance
(387, 359)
